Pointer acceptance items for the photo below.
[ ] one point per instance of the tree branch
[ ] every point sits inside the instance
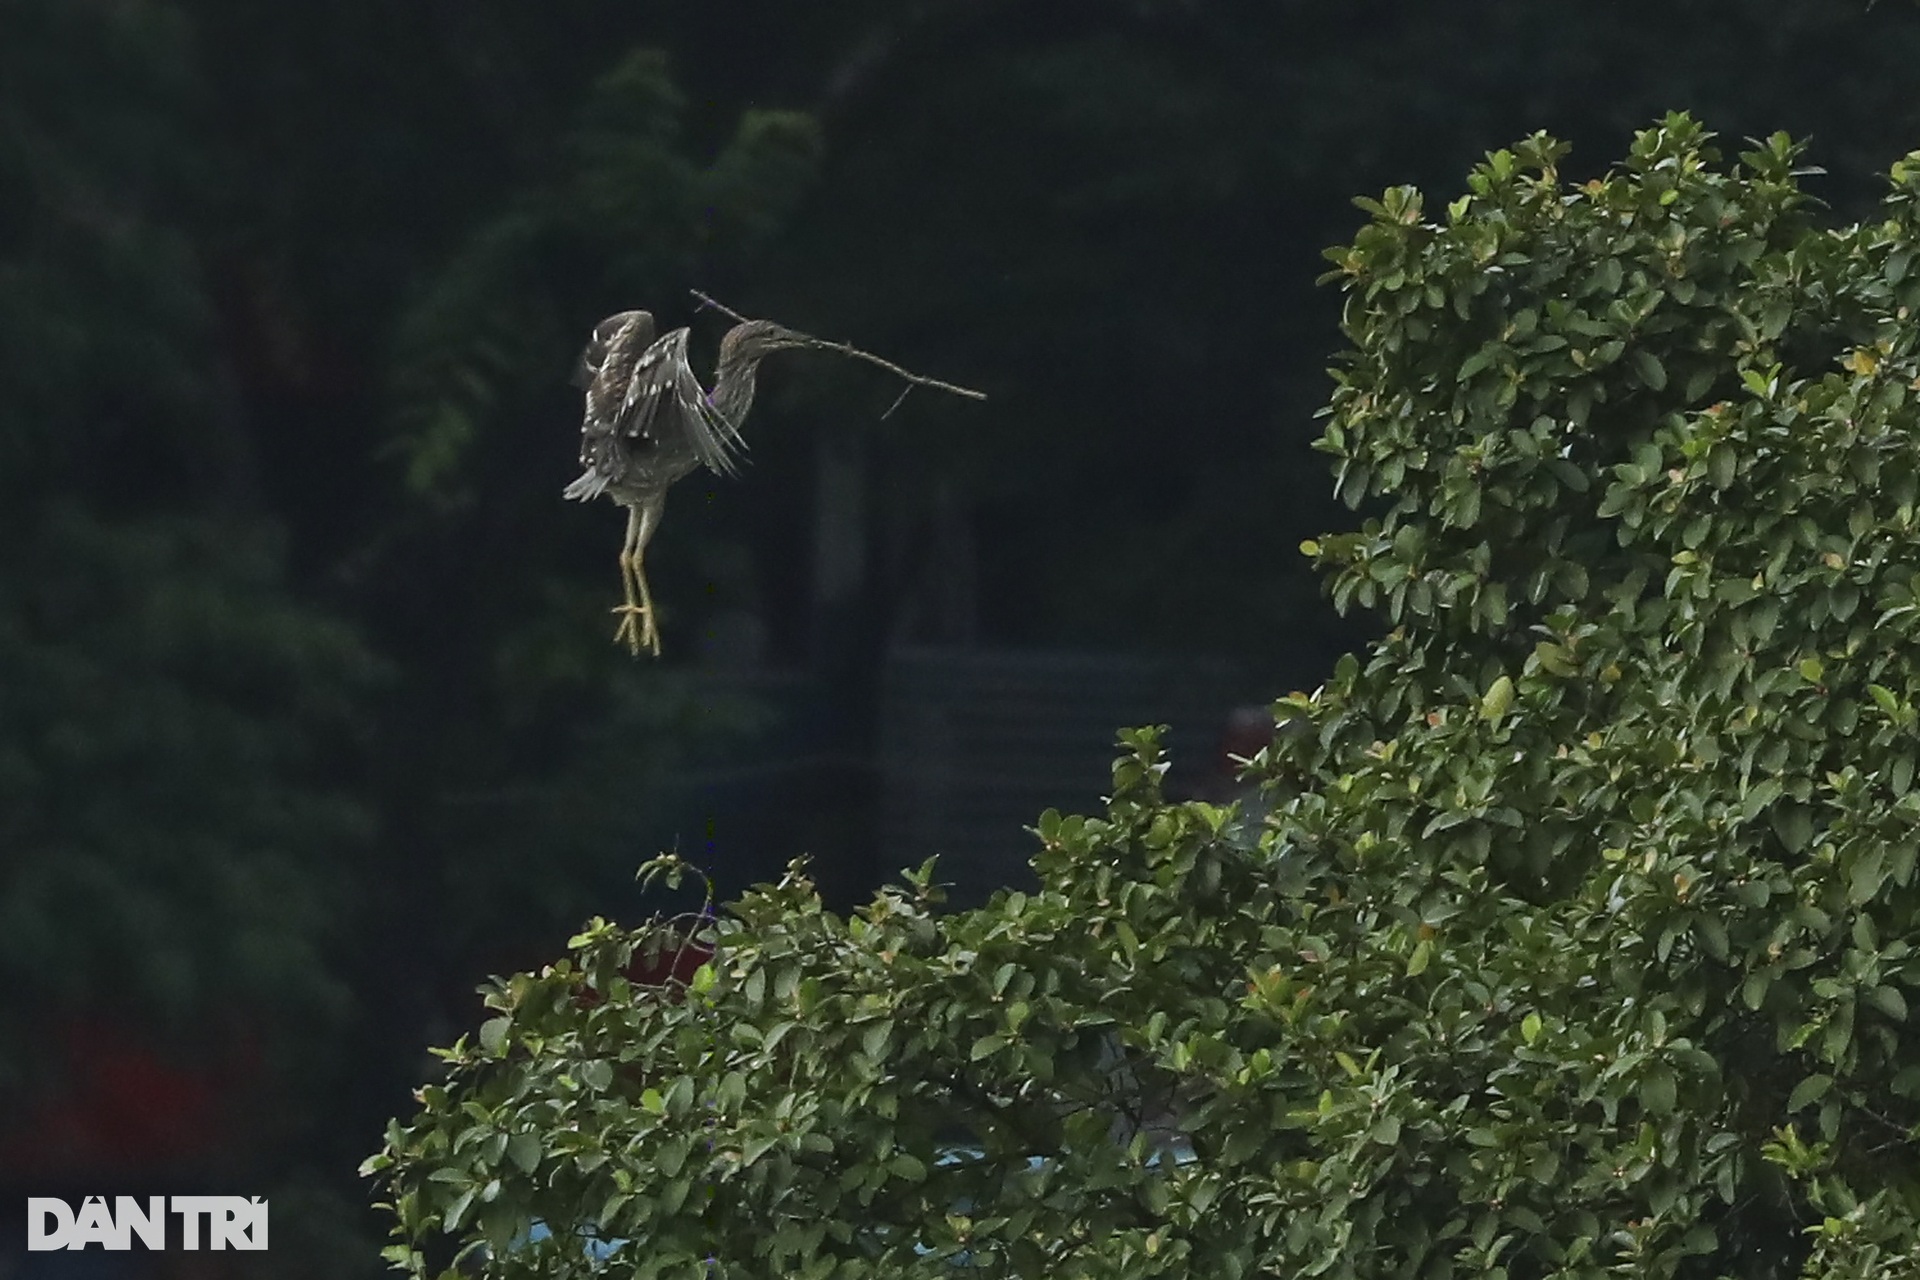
(913, 379)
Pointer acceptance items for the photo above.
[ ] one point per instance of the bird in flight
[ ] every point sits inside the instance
(649, 423)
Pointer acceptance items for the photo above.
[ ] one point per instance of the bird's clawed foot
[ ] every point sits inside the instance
(637, 630)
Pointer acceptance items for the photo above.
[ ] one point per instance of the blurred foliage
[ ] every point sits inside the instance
(1575, 937)
(173, 723)
(176, 836)
(101, 302)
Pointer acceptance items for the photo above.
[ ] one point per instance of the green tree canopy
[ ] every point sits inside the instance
(1571, 934)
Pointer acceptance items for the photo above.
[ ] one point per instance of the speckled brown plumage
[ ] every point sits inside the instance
(649, 423)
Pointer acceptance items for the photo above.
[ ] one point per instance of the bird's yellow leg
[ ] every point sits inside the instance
(650, 634)
(628, 632)
(637, 630)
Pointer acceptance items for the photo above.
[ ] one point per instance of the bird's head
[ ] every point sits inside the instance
(752, 339)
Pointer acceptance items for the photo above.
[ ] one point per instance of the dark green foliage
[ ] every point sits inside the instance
(103, 314)
(174, 816)
(1575, 938)
(168, 724)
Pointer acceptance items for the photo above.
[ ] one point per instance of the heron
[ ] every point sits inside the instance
(649, 423)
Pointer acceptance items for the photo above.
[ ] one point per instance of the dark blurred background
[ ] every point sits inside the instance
(309, 712)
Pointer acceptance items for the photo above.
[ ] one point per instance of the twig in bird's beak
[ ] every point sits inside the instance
(708, 304)
(845, 349)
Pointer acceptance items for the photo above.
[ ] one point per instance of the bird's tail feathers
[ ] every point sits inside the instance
(589, 486)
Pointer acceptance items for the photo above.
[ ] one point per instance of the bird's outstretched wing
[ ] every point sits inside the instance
(642, 397)
(593, 360)
(604, 370)
(663, 398)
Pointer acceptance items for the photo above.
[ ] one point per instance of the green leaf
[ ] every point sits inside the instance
(1901, 862)
(457, 1211)
(1651, 371)
(493, 1035)
(1889, 1001)
(1869, 874)
(611, 1208)
(1657, 1091)
(986, 1046)
(1477, 362)
(1808, 1091)
(1793, 823)
(1530, 1028)
(1553, 659)
(1721, 464)
(873, 1040)
(524, 1150)
(1544, 1168)
(1497, 699)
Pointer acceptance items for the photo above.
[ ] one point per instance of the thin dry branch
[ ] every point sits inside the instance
(846, 349)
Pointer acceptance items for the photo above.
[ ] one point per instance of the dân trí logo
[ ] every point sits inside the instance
(212, 1222)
